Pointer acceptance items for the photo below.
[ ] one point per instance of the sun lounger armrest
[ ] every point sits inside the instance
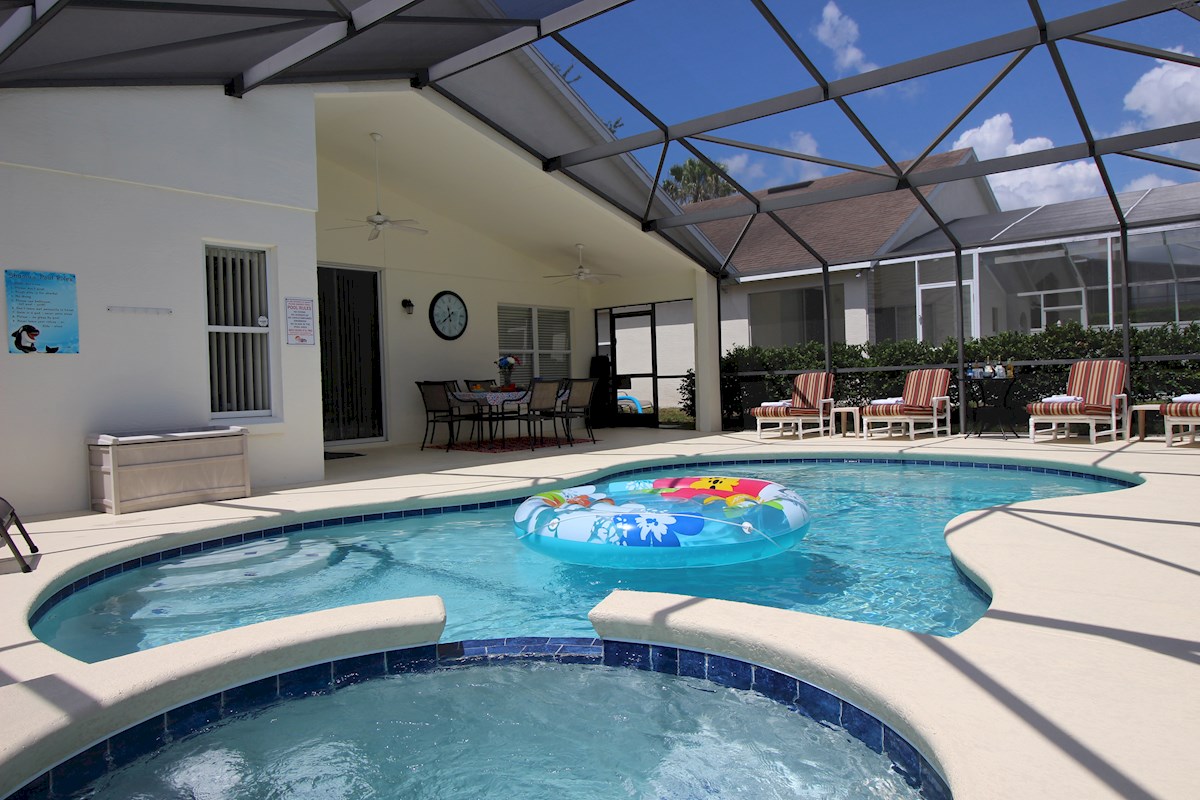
(1120, 401)
(937, 401)
(825, 407)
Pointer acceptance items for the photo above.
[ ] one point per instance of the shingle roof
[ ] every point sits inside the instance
(842, 231)
(1159, 206)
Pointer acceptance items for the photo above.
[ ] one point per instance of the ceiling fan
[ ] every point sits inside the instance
(582, 273)
(378, 221)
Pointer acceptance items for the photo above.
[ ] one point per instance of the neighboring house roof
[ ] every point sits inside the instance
(842, 231)
(1160, 206)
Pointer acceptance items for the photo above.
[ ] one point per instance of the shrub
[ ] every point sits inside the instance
(1149, 379)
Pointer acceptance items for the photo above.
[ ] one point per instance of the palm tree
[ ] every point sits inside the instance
(693, 181)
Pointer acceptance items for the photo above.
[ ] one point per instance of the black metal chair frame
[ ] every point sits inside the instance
(8, 516)
(542, 405)
(441, 407)
(578, 405)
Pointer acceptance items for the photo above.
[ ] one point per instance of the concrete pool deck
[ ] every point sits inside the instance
(1081, 681)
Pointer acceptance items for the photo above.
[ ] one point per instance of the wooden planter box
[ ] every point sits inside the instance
(140, 471)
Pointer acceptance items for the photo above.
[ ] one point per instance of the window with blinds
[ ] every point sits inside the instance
(238, 331)
(540, 337)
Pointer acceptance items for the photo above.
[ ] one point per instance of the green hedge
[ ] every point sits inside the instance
(1149, 380)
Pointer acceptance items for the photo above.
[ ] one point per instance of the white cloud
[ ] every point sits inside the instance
(1169, 94)
(840, 34)
(804, 142)
(756, 173)
(1145, 182)
(745, 169)
(1035, 186)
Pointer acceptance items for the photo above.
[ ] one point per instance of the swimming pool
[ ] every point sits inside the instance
(874, 553)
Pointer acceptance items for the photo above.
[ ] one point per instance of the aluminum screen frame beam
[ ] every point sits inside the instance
(320, 41)
(974, 169)
(1004, 44)
(527, 35)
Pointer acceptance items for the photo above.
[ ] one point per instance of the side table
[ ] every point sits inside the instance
(989, 405)
(1140, 409)
(845, 414)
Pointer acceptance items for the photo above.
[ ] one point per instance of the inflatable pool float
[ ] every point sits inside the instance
(663, 523)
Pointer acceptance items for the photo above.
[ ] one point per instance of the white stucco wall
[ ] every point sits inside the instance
(498, 223)
(123, 188)
(735, 304)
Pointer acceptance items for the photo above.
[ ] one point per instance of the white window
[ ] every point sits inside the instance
(540, 337)
(238, 332)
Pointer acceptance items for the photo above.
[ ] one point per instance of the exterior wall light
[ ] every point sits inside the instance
(407, 305)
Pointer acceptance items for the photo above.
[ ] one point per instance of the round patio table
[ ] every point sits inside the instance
(493, 403)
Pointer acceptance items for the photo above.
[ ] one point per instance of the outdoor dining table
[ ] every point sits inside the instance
(492, 402)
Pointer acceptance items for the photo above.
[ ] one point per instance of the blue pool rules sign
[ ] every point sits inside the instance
(43, 316)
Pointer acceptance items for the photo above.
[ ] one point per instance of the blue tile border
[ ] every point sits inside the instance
(241, 538)
(797, 695)
(71, 779)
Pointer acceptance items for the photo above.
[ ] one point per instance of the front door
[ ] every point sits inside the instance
(351, 354)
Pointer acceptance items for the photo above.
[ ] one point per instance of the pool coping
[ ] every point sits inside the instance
(1006, 709)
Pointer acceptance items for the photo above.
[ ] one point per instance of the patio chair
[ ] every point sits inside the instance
(541, 405)
(1095, 395)
(812, 402)
(1183, 415)
(442, 407)
(8, 517)
(925, 401)
(578, 405)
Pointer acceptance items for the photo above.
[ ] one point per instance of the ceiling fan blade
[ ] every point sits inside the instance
(559, 275)
(408, 225)
(374, 234)
(348, 227)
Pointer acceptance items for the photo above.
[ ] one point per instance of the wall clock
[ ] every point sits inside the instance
(448, 315)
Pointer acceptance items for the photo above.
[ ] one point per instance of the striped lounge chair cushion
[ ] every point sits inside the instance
(897, 410)
(920, 387)
(808, 390)
(1180, 410)
(1095, 381)
(775, 412)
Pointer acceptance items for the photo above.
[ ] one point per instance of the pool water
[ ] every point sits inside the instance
(516, 730)
(875, 553)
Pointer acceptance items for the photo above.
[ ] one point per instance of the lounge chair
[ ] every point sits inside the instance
(924, 401)
(812, 403)
(1095, 395)
(1180, 415)
(8, 516)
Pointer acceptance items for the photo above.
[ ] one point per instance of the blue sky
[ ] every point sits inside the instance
(687, 58)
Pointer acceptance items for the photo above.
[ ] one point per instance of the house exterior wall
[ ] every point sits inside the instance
(959, 199)
(735, 304)
(123, 188)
